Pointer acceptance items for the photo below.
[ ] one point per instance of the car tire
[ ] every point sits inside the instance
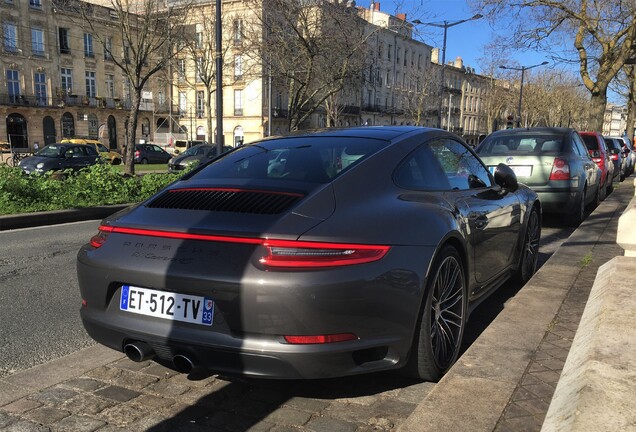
(530, 248)
(144, 161)
(116, 161)
(597, 198)
(603, 190)
(440, 328)
(576, 216)
(610, 187)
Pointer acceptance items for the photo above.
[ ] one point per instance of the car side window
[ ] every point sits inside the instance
(102, 148)
(579, 146)
(462, 169)
(443, 164)
(90, 151)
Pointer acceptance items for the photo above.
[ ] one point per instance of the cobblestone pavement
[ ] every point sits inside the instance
(529, 404)
(128, 396)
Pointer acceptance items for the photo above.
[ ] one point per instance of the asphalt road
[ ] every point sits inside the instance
(39, 298)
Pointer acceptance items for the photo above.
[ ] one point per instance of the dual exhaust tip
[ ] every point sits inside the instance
(141, 351)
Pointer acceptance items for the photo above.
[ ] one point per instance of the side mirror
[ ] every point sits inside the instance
(506, 177)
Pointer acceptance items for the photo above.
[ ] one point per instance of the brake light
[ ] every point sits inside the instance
(279, 253)
(614, 156)
(298, 254)
(320, 339)
(560, 170)
(100, 238)
(137, 154)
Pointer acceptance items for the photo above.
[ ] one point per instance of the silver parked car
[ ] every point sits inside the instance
(554, 162)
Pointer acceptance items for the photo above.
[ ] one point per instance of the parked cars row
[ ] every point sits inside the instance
(194, 155)
(569, 170)
(60, 157)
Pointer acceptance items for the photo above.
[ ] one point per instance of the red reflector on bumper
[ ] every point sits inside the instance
(320, 339)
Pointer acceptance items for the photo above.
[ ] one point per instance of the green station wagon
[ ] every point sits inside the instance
(554, 162)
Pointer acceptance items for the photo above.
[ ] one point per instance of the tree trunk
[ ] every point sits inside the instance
(131, 133)
(631, 103)
(598, 101)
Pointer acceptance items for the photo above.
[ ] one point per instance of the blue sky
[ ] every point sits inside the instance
(466, 40)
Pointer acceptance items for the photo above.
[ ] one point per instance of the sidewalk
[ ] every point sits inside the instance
(504, 382)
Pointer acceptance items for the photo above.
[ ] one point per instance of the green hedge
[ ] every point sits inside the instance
(97, 185)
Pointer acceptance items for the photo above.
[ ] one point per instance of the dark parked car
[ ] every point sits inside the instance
(318, 269)
(151, 154)
(554, 162)
(59, 157)
(601, 156)
(194, 155)
(618, 158)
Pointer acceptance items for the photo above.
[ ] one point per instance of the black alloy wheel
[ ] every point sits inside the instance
(530, 251)
(441, 328)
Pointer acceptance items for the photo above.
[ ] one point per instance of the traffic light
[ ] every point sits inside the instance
(509, 124)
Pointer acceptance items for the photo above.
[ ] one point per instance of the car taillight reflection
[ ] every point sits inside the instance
(560, 170)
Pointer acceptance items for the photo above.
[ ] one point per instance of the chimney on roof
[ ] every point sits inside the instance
(435, 56)
(459, 62)
(375, 6)
(401, 16)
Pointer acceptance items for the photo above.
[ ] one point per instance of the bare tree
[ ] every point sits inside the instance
(312, 48)
(149, 34)
(239, 64)
(601, 33)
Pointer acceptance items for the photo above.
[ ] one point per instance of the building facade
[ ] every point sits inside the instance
(59, 82)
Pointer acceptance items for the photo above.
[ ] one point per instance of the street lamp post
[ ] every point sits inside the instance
(523, 70)
(445, 25)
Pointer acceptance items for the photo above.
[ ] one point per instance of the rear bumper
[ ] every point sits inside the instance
(557, 200)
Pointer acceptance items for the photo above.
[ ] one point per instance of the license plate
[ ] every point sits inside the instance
(519, 170)
(166, 305)
(522, 171)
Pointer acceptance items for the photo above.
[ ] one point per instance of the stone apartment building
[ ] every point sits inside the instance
(59, 82)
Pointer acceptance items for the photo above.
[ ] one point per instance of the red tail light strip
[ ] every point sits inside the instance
(320, 339)
(280, 253)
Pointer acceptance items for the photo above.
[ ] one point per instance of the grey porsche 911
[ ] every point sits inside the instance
(319, 255)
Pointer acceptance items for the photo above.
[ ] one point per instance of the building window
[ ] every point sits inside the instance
(199, 35)
(238, 67)
(238, 31)
(68, 125)
(181, 69)
(13, 85)
(41, 93)
(126, 88)
(37, 42)
(238, 102)
(91, 84)
(110, 86)
(200, 104)
(389, 52)
(88, 45)
(93, 126)
(200, 69)
(10, 33)
(64, 39)
(406, 56)
(108, 48)
(66, 76)
(183, 103)
(397, 55)
(380, 47)
(37, 4)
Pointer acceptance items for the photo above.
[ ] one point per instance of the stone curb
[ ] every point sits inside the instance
(597, 387)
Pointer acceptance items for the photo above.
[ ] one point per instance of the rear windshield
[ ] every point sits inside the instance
(590, 142)
(308, 159)
(521, 144)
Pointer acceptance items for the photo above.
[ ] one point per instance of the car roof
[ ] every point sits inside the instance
(376, 132)
(535, 130)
